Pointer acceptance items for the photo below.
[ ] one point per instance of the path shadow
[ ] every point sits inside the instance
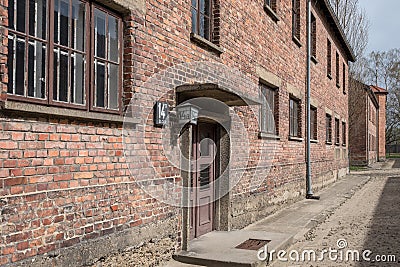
(384, 234)
(396, 164)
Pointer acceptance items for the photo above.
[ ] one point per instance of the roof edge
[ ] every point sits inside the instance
(342, 37)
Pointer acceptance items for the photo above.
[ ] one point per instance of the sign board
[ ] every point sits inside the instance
(161, 113)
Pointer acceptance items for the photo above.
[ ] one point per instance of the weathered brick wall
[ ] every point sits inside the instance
(64, 181)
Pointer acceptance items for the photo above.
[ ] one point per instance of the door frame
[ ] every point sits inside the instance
(222, 207)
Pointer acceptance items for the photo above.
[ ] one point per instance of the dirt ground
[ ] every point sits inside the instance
(150, 254)
(370, 220)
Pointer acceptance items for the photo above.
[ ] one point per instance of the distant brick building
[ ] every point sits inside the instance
(69, 69)
(367, 123)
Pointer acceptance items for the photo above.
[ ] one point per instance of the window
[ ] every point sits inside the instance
(329, 58)
(294, 118)
(269, 110)
(313, 123)
(344, 78)
(337, 132)
(313, 37)
(296, 19)
(337, 70)
(63, 65)
(328, 129)
(202, 18)
(271, 4)
(344, 133)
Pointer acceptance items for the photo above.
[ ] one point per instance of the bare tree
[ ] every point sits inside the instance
(383, 69)
(355, 24)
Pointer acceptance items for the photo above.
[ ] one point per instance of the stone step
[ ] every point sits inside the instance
(218, 249)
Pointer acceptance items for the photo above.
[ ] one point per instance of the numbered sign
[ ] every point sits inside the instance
(161, 112)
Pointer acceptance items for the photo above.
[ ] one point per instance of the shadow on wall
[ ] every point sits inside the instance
(383, 238)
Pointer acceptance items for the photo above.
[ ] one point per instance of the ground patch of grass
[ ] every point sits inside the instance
(357, 168)
(393, 156)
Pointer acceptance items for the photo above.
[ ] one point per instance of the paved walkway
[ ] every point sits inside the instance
(283, 228)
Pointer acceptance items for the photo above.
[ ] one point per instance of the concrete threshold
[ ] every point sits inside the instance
(219, 248)
(283, 228)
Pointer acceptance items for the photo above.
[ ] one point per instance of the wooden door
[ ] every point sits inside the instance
(202, 177)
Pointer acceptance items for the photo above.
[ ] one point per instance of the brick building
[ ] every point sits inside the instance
(71, 69)
(367, 117)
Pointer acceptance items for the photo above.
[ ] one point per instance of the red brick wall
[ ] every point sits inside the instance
(382, 126)
(358, 123)
(64, 181)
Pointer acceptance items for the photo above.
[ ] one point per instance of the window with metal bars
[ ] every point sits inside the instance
(329, 58)
(294, 118)
(313, 37)
(337, 70)
(313, 123)
(271, 4)
(65, 53)
(344, 78)
(269, 110)
(202, 17)
(337, 132)
(328, 125)
(296, 19)
(344, 135)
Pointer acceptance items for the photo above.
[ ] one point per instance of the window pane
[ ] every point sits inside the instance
(55, 75)
(64, 22)
(78, 79)
(21, 15)
(113, 52)
(36, 69)
(60, 91)
(113, 86)
(31, 69)
(100, 84)
(11, 10)
(56, 21)
(194, 20)
(37, 18)
(78, 25)
(201, 26)
(100, 33)
(10, 64)
(63, 82)
(20, 67)
(194, 3)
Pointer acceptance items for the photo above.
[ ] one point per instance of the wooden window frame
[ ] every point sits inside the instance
(272, 4)
(344, 78)
(198, 17)
(329, 59)
(294, 118)
(328, 128)
(344, 134)
(337, 70)
(337, 132)
(296, 25)
(88, 74)
(265, 119)
(313, 37)
(314, 123)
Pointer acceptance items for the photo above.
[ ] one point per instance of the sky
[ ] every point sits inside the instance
(385, 24)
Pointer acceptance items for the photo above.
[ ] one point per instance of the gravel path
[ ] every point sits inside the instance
(370, 220)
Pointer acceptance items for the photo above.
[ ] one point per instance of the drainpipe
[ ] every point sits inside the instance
(310, 194)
